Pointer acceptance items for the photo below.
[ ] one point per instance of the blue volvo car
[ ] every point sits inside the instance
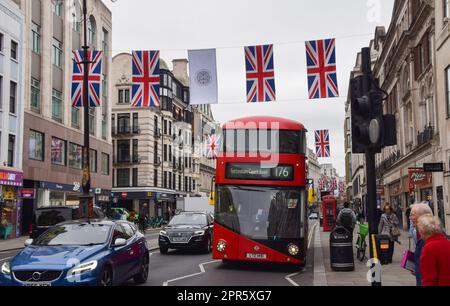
(93, 253)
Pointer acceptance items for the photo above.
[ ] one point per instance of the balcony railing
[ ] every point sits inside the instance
(386, 164)
(425, 136)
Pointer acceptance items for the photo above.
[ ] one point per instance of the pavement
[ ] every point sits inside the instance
(391, 275)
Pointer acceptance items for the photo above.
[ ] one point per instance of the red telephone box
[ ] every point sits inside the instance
(329, 206)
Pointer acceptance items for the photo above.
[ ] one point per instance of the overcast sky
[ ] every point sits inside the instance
(174, 26)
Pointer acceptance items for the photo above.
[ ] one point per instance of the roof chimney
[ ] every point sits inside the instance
(180, 70)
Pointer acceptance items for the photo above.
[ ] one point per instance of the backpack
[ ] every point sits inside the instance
(346, 218)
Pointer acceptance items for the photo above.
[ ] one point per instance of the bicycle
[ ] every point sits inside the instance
(361, 244)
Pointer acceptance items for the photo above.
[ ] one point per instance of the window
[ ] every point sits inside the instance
(92, 30)
(135, 123)
(76, 16)
(124, 96)
(36, 38)
(447, 76)
(57, 53)
(135, 151)
(75, 156)
(14, 50)
(1, 92)
(1, 42)
(75, 117)
(36, 146)
(123, 123)
(56, 105)
(92, 122)
(165, 153)
(446, 8)
(135, 177)
(12, 97)
(155, 178)
(35, 94)
(93, 161)
(123, 151)
(11, 146)
(123, 177)
(105, 164)
(165, 179)
(58, 7)
(58, 151)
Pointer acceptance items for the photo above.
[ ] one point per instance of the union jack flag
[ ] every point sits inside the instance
(145, 89)
(260, 73)
(322, 143)
(341, 187)
(321, 62)
(94, 78)
(333, 184)
(212, 146)
(321, 184)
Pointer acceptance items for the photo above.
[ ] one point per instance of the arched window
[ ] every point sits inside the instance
(405, 81)
(92, 31)
(76, 15)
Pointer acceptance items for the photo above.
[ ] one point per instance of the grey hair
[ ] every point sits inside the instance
(429, 225)
(422, 209)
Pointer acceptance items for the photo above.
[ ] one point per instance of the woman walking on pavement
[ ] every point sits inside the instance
(434, 261)
(389, 227)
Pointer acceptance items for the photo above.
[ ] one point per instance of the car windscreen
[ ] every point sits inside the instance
(189, 219)
(50, 217)
(74, 234)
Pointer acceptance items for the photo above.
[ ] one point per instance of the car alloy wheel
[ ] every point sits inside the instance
(106, 277)
(142, 277)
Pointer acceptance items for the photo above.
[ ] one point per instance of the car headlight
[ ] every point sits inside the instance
(199, 233)
(163, 233)
(83, 268)
(6, 269)
(221, 246)
(293, 249)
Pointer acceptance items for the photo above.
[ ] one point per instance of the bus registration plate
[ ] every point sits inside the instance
(256, 256)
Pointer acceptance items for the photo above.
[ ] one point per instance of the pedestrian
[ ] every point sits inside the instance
(388, 226)
(117, 215)
(408, 214)
(418, 210)
(132, 216)
(347, 218)
(434, 261)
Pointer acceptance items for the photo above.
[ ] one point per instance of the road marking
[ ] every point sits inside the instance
(288, 278)
(5, 259)
(202, 269)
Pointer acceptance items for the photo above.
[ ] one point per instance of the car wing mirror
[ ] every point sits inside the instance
(28, 242)
(119, 242)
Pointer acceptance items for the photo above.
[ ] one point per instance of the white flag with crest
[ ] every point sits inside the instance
(203, 76)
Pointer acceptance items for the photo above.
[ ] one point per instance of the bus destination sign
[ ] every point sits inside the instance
(252, 171)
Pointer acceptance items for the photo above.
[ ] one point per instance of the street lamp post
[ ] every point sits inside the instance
(86, 201)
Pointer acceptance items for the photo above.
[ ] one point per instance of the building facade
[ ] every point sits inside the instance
(442, 85)
(314, 171)
(12, 82)
(153, 147)
(53, 129)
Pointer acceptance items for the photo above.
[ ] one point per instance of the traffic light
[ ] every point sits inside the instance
(370, 128)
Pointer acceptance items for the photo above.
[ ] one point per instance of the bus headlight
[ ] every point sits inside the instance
(293, 249)
(221, 246)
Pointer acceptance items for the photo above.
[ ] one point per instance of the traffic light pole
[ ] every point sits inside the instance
(371, 200)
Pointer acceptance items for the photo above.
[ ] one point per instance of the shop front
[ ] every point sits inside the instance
(421, 184)
(395, 193)
(10, 203)
(140, 202)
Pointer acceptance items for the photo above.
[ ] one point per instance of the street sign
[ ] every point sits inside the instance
(433, 167)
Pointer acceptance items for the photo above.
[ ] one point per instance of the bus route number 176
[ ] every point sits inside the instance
(283, 172)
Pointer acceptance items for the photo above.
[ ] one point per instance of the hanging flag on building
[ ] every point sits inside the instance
(203, 77)
(333, 184)
(321, 65)
(259, 65)
(322, 143)
(212, 146)
(321, 184)
(341, 187)
(94, 78)
(145, 79)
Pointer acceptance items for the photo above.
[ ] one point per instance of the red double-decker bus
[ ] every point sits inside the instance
(261, 197)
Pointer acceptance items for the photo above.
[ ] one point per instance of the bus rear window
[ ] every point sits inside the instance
(264, 141)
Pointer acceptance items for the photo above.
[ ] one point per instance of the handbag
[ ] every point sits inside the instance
(408, 261)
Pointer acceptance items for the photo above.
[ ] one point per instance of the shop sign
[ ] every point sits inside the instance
(11, 178)
(8, 193)
(124, 195)
(103, 198)
(433, 167)
(27, 193)
(395, 189)
(418, 178)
